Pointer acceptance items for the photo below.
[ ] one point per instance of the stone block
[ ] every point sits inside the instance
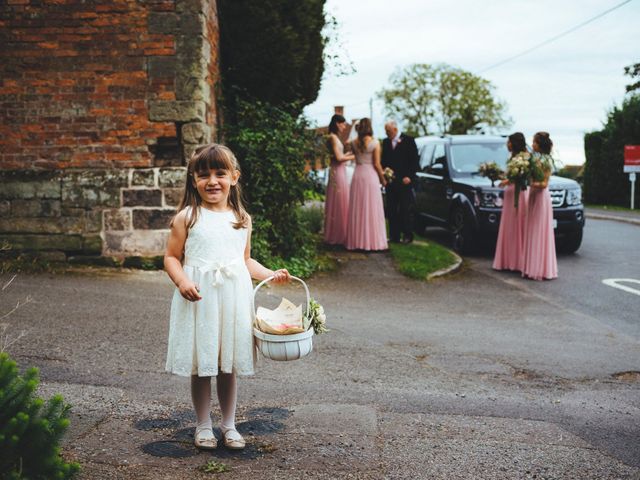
(43, 242)
(136, 242)
(143, 177)
(162, 22)
(119, 219)
(144, 263)
(5, 208)
(93, 260)
(142, 197)
(93, 220)
(92, 244)
(192, 6)
(31, 189)
(93, 188)
(188, 149)
(196, 133)
(172, 177)
(66, 225)
(172, 196)
(35, 208)
(192, 87)
(178, 111)
(162, 67)
(152, 219)
(193, 24)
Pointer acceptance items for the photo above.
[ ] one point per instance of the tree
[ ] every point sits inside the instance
(442, 98)
(272, 51)
(633, 71)
(604, 179)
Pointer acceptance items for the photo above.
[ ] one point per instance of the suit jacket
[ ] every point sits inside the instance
(403, 160)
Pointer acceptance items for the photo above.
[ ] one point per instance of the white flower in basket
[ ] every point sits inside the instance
(285, 344)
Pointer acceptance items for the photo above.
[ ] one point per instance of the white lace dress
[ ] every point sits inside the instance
(215, 332)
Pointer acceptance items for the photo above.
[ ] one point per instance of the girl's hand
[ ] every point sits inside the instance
(504, 183)
(281, 276)
(190, 291)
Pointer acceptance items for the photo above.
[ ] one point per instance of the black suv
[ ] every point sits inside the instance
(451, 193)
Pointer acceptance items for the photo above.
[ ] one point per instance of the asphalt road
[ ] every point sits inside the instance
(610, 250)
(476, 375)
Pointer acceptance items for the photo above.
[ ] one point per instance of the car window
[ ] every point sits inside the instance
(439, 155)
(466, 158)
(426, 153)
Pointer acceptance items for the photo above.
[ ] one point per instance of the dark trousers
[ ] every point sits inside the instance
(399, 206)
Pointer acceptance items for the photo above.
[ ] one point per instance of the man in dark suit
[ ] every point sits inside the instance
(400, 154)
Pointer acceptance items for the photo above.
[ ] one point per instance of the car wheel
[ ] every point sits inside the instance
(571, 242)
(461, 231)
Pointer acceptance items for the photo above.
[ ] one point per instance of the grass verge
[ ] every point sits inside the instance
(421, 258)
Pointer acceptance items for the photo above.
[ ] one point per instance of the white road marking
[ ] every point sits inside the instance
(614, 282)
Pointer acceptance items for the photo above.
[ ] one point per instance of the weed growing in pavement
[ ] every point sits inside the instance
(213, 466)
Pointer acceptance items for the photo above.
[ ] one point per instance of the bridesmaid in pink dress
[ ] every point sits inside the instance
(540, 261)
(366, 229)
(336, 206)
(510, 243)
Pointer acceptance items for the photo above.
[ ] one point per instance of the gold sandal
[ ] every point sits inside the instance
(232, 439)
(205, 443)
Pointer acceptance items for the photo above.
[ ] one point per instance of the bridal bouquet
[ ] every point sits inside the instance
(518, 173)
(389, 174)
(491, 170)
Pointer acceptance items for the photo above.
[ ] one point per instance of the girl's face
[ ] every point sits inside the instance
(341, 126)
(213, 187)
(509, 147)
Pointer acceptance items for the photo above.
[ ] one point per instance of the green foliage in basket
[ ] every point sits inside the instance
(318, 319)
(30, 430)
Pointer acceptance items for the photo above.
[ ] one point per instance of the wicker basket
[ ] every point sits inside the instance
(285, 347)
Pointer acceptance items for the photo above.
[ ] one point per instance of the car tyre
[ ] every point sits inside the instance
(461, 231)
(571, 242)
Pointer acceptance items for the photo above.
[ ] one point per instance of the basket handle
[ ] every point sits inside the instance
(306, 290)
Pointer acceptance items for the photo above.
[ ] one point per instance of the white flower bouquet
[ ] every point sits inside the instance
(389, 174)
(519, 173)
(317, 318)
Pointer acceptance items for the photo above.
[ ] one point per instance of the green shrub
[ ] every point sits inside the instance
(273, 148)
(604, 179)
(30, 431)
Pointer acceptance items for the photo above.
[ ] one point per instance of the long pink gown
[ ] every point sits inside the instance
(336, 205)
(539, 254)
(366, 229)
(510, 245)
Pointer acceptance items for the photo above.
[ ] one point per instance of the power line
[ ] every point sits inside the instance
(553, 39)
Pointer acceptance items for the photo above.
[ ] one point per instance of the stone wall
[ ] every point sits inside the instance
(99, 101)
(78, 213)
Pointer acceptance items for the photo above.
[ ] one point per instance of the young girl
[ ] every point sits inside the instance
(208, 259)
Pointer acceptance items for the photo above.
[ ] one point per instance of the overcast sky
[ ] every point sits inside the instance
(565, 87)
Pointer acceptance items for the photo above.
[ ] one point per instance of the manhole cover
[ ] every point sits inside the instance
(147, 424)
(170, 448)
(631, 376)
(260, 427)
(271, 413)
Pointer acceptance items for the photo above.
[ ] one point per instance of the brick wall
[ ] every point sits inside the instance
(101, 102)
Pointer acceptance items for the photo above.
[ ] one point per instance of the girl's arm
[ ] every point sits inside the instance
(257, 270)
(173, 258)
(544, 183)
(378, 165)
(340, 157)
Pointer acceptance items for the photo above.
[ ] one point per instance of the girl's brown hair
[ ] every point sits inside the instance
(212, 157)
(544, 142)
(363, 128)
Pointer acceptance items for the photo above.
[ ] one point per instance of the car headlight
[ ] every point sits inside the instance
(490, 198)
(574, 196)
